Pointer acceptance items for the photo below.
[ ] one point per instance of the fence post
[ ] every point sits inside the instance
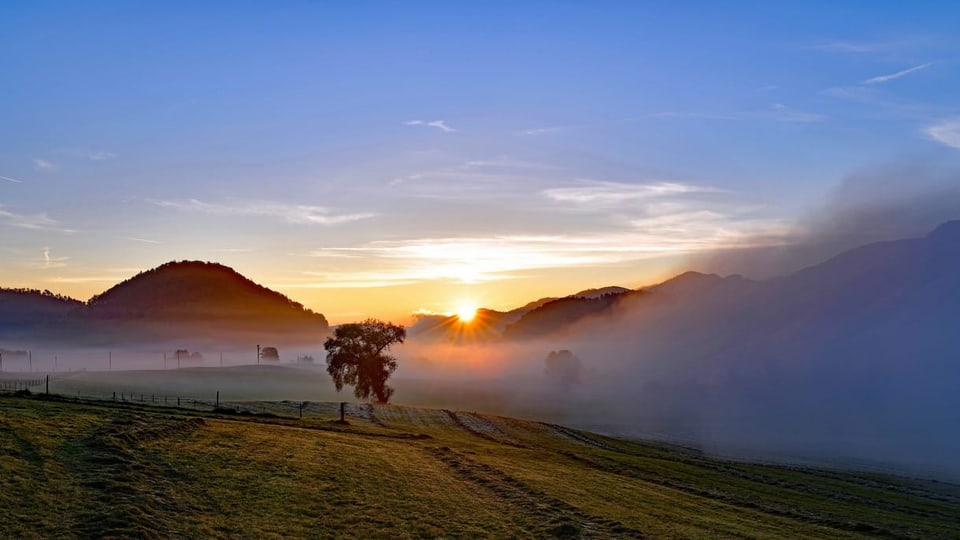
(48, 385)
(178, 402)
(342, 407)
(217, 406)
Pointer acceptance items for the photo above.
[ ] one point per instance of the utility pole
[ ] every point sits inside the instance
(55, 362)
(164, 360)
(1, 361)
(178, 358)
(110, 360)
(30, 359)
(258, 354)
(221, 359)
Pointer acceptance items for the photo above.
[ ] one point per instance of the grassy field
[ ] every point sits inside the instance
(88, 469)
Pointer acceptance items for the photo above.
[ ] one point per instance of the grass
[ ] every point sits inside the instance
(98, 469)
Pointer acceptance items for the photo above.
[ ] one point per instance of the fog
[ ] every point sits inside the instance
(901, 199)
(850, 362)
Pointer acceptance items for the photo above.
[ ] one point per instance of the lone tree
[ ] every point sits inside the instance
(563, 368)
(270, 353)
(356, 355)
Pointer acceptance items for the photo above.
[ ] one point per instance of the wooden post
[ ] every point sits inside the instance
(258, 354)
(342, 407)
(218, 399)
(48, 385)
(110, 360)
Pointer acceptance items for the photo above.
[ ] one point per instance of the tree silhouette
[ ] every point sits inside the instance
(270, 353)
(563, 368)
(356, 355)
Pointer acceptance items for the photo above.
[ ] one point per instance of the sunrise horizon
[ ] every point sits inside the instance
(432, 162)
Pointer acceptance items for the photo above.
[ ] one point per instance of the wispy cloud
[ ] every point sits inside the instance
(100, 156)
(484, 259)
(48, 262)
(889, 77)
(90, 279)
(544, 130)
(40, 222)
(289, 213)
(686, 114)
(44, 165)
(141, 240)
(604, 192)
(946, 132)
(439, 124)
(782, 113)
(8, 179)
(850, 47)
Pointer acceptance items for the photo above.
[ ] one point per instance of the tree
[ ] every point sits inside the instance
(356, 355)
(270, 353)
(563, 368)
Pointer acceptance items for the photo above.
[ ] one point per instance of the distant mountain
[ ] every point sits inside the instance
(852, 357)
(194, 290)
(185, 300)
(557, 315)
(33, 312)
(593, 294)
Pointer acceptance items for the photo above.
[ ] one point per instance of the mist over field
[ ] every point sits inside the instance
(851, 361)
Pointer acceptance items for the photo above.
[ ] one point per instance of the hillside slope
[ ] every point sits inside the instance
(120, 470)
(188, 300)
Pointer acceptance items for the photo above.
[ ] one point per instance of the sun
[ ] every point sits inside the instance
(466, 312)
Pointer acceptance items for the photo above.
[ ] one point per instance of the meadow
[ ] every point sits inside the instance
(90, 468)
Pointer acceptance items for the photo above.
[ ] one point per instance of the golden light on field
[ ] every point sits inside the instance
(466, 312)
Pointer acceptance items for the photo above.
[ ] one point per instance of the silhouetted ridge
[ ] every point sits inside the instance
(194, 289)
(557, 314)
(947, 232)
(18, 306)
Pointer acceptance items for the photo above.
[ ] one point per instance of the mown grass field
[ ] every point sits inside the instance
(82, 470)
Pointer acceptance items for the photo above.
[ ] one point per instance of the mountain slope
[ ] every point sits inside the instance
(195, 290)
(855, 356)
(183, 301)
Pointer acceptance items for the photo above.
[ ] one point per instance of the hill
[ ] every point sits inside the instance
(194, 290)
(188, 300)
(29, 312)
(557, 315)
(124, 470)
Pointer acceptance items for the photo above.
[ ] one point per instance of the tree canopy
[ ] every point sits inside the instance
(356, 355)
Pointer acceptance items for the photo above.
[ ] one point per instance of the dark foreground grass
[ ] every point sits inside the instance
(88, 470)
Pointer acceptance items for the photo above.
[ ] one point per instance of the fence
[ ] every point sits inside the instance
(284, 409)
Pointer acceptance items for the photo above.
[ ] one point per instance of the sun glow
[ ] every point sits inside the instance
(466, 312)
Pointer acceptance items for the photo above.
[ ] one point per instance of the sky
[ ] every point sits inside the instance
(376, 159)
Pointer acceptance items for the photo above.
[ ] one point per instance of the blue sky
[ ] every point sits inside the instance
(377, 158)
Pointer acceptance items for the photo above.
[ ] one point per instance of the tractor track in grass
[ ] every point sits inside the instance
(731, 470)
(630, 471)
(128, 494)
(552, 517)
(483, 428)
